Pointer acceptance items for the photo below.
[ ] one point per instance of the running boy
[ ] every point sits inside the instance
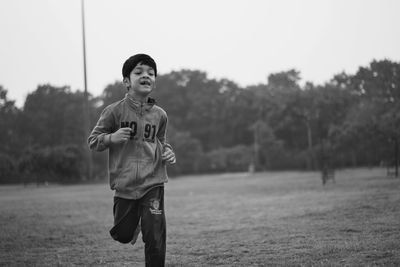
(134, 131)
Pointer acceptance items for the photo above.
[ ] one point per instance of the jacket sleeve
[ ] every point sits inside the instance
(162, 132)
(98, 139)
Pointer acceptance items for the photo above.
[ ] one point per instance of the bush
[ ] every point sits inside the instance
(188, 153)
(7, 169)
(234, 159)
(52, 164)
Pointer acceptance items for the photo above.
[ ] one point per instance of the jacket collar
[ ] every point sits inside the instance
(138, 105)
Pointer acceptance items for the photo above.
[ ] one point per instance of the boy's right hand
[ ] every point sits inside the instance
(121, 136)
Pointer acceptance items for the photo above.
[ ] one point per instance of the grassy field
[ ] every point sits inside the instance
(275, 218)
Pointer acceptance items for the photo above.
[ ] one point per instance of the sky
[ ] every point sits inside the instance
(240, 40)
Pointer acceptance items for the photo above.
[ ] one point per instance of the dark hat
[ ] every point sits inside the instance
(132, 62)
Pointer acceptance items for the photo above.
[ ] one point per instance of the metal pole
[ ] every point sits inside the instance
(256, 146)
(396, 157)
(86, 124)
(84, 46)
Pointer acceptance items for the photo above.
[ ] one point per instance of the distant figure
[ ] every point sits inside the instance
(252, 168)
(390, 166)
(327, 173)
(134, 131)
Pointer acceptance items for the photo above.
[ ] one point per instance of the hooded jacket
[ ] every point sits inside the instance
(134, 167)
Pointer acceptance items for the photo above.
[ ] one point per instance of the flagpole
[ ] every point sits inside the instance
(86, 124)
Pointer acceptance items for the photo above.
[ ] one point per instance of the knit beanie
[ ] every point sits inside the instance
(133, 61)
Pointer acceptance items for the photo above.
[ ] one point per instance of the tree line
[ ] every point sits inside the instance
(217, 126)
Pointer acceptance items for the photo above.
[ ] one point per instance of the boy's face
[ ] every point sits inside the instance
(142, 80)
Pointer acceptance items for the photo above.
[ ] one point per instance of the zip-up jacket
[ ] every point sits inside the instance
(134, 167)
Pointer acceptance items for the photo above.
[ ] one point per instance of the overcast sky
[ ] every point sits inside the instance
(242, 40)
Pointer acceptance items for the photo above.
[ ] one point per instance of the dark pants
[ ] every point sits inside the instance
(150, 210)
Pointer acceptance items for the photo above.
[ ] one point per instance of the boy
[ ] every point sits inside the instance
(134, 131)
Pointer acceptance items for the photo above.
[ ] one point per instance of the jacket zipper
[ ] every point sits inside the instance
(142, 137)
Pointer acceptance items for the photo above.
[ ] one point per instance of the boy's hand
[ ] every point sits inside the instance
(168, 156)
(120, 136)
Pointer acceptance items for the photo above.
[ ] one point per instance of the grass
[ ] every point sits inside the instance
(265, 219)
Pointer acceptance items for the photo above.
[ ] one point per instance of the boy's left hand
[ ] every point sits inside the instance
(168, 156)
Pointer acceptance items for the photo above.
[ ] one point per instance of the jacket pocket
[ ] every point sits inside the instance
(148, 167)
(145, 169)
(126, 177)
(134, 175)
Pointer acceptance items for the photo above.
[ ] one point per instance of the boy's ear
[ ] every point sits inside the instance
(126, 81)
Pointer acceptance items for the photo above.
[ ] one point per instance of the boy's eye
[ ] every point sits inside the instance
(138, 71)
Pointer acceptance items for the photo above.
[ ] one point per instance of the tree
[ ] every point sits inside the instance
(378, 86)
(199, 105)
(53, 118)
(112, 93)
(188, 151)
(9, 125)
(10, 145)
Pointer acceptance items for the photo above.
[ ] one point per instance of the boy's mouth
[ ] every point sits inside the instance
(145, 82)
